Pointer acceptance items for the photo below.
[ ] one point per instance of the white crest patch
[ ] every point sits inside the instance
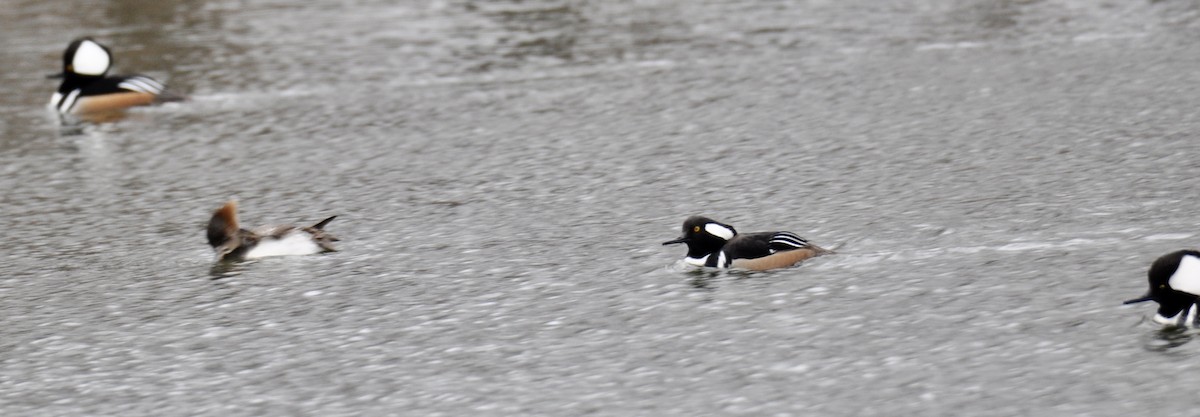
(294, 243)
(719, 231)
(1187, 276)
(90, 59)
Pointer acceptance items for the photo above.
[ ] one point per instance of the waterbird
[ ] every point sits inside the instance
(1175, 285)
(232, 243)
(86, 87)
(714, 244)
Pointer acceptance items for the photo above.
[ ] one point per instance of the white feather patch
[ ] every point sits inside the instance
(696, 261)
(789, 239)
(719, 231)
(1187, 276)
(67, 103)
(1186, 317)
(90, 59)
(1167, 321)
(294, 243)
(142, 84)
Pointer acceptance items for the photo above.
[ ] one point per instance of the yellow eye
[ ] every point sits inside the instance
(1162, 286)
(696, 229)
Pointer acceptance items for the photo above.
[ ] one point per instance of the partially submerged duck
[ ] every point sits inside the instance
(1175, 285)
(232, 243)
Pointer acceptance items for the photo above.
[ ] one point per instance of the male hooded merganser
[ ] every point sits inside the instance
(86, 89)
(233, 243)
(1175, 286)
(714, 244)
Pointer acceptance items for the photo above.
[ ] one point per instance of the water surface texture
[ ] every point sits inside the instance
(996, 175)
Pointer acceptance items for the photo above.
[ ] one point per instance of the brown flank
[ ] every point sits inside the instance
(782, 259)
(115, 101)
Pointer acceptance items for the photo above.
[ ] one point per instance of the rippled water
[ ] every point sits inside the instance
(997, 176)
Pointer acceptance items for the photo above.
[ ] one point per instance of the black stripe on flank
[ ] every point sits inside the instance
(787, 241)
(140, 84)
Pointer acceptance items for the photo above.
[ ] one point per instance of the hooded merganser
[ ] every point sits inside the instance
(86, 89)
(1175, 286)
(714, 244)
(233, 243)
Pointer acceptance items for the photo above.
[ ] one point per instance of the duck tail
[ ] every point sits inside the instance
(321, 237)
(223, 225)
(832, 249)
(322, 223)
(168, 96)
(818, 251)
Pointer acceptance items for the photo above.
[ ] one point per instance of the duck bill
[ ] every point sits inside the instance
(1141, 299)
(56, 75)
(676, 241)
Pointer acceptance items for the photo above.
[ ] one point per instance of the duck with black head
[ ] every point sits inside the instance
(1175, 285)
(87, 88)
(714, 244)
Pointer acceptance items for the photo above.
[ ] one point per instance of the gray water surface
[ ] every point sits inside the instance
(996, 175)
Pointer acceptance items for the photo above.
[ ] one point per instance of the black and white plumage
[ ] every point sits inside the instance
(232, 243)
(1175, 285)
(714, 244)
(87, 87)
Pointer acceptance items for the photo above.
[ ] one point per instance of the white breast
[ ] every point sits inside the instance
(1184, 318)
(293, 243)
(696, 261)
